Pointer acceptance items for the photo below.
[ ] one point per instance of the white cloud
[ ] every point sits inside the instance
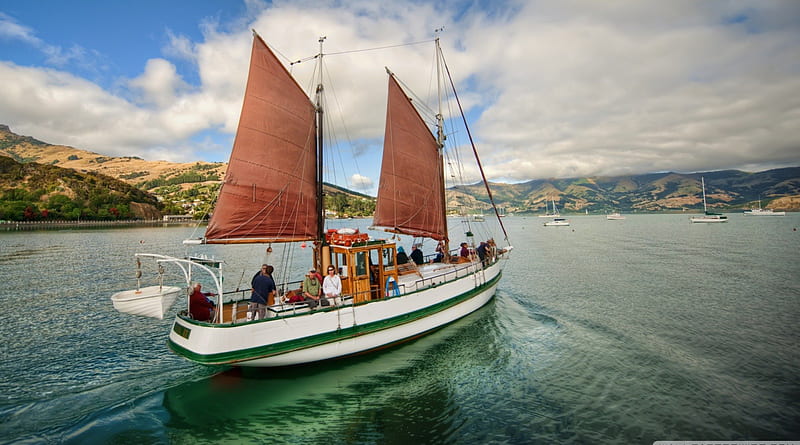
(180, 47)
(558, 89)
(360, 182)
(159, 84)
(646, 91)
(54, 54)
(10, 29)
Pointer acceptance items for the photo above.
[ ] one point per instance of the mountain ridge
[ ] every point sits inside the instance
(178, 183)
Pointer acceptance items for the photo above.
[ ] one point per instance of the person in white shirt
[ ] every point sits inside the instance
(332, 287)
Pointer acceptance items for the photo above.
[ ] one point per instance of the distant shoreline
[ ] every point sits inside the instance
(7, 226)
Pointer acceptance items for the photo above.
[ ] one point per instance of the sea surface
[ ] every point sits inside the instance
(604, 332)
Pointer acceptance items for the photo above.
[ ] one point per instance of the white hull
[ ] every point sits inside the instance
(343, 331)
(763, 212)
(152, 301)
(557, 223)
(615, 217)
(708, 219)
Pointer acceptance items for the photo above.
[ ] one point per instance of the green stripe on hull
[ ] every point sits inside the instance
(272, 350)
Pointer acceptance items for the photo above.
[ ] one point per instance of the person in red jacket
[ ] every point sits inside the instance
(200, 307)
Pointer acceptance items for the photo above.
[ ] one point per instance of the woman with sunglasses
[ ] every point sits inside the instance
(332, 287)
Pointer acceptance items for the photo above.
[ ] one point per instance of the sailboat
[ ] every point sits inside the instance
(708, 217)
(272, 193)
(548, 213)
(557, 219)
(758, 211)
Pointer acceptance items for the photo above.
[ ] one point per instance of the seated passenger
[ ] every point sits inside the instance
(416, 254)
(312, 289)
(332, 288)
(402, 258)
(200, 307)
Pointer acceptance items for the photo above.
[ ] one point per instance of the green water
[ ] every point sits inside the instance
(631, 331)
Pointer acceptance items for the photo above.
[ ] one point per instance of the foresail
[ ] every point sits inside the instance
(410, 195)
(269, 192)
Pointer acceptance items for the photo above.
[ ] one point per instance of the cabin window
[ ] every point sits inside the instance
(361, 264)
(341, 263)
(388, 258)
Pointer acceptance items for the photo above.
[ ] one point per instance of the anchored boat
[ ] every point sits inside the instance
(708, 217)
(758, 211)
(272, 193)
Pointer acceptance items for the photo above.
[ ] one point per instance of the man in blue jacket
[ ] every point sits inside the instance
(263, 292)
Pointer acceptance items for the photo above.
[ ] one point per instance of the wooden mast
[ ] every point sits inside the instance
(321, 250)
(440, 137)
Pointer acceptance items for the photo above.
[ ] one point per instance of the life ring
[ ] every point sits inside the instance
(391, 287)
(346, 237)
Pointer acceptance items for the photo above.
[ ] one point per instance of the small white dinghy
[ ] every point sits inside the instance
(151, 301)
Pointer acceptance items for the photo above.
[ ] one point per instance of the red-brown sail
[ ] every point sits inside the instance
(410, 197)
(269, 192)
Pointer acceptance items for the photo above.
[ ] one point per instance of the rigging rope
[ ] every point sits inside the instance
(306, 59)
(475, 150)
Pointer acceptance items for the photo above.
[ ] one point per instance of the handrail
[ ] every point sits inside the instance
(180, 262)
(457, 271)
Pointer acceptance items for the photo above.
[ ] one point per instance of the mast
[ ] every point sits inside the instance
(318, 251)
(440, 137)
(474, 150)
(703, 181)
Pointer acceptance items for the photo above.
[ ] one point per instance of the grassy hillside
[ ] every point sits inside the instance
(32, 191)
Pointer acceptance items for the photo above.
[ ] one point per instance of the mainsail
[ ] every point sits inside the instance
(270, 188)
(410, 195)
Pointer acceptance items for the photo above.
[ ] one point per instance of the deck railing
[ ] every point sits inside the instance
(239, 300)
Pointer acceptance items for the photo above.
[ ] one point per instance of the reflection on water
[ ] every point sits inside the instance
(391, 396)
(632, 331)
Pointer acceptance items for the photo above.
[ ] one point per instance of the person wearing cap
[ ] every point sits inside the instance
(312, 288)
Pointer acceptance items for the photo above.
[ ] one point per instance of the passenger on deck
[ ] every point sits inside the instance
(416, 254)
(200, 307)
(481, 250)
(312, 289)
(439, 253)
(402, 258)
(464, 250)
(263, 292)
(491, 248)
(332, 288)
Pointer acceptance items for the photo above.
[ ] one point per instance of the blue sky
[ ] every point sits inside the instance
(553, 89)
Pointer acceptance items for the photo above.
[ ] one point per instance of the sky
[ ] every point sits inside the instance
(552, 89)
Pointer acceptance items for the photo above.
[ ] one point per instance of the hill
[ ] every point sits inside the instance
(190, 187)
(34, 191)
(656, 192)
(181, 187)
